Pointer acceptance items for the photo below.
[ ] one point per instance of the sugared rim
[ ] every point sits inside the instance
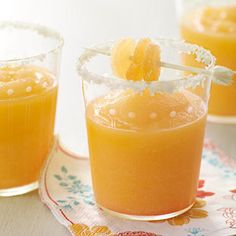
(41, 30)
(202, 55)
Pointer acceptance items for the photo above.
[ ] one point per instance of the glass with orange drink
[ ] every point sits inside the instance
(145, 126)
(29, 63)
(212, 25)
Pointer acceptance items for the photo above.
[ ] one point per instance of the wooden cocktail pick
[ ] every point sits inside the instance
(220, 74)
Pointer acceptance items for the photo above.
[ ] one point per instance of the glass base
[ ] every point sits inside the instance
(228, 120)
(145, 218)
(18, 190)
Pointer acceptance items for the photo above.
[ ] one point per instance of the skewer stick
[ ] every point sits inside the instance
(221, 75)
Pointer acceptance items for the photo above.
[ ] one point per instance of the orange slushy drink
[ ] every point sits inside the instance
(214, 28)
(145, 150)
(28, 97)
(145, 133)
(29, 65)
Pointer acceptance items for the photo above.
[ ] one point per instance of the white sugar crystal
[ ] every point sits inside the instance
(112, 111)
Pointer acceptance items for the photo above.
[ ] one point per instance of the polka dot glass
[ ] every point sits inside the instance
(145, 138)
(29, 66)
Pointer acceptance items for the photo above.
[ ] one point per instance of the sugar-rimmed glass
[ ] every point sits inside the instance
(29, 70)
(145, 138)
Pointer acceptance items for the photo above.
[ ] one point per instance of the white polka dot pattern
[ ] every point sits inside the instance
(173, 114)
(153, 115)
(28, 89)
(10, 92)
(131, 115)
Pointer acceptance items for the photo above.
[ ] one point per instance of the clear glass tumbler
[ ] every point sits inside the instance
(145, 138)
(212, 25)
(29, 67)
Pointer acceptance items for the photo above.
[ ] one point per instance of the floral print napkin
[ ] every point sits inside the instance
(65, 187)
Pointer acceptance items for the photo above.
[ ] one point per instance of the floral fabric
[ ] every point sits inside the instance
(65, 187)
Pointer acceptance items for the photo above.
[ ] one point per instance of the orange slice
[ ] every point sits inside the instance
(136, 61)
(152, 63)
(121, 53)
(135, 70)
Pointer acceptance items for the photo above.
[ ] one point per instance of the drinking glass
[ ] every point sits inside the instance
(212, 25)
(145, 138)
(29, 69)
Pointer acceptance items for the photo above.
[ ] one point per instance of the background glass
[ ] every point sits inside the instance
(212, 25)
(29, 70)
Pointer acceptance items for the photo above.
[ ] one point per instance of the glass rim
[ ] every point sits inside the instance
(41, 30)
(113, 81)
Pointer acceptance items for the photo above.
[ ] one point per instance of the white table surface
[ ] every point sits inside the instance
(82, 23)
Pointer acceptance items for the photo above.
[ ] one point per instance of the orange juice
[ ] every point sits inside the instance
(145, 150)
(215, 29)
(28, 97)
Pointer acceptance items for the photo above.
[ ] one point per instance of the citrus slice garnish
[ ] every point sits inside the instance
(135, 70)
(136, 61)
(121, 53)
(152, 63)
